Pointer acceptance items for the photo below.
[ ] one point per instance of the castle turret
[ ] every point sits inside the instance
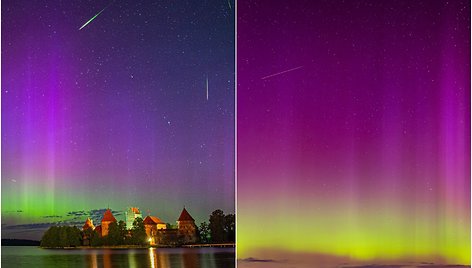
(88, 225)
(106, 220)
(87, 228)
(186, 227)
(132, 214)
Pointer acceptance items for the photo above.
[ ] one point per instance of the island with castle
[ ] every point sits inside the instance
(138, 232)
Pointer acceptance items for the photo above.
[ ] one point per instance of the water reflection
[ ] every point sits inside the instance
(107, 258)
(132, 260)
(158, 258)
(154, 257)
(191, 260)
(93, 260)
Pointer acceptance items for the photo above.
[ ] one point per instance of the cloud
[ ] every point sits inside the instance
(71, 222)
(28, 226)
(97, 211)
(97, 214)
(76, 213)
(13, 211)
(420, 265)
(94, 214)
(373, 266)
(36, 230)
(443, 266)
(251, 259)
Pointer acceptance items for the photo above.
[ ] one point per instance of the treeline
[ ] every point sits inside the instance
(62, 236)
(119, 235)
(67, 236)
(221, 229)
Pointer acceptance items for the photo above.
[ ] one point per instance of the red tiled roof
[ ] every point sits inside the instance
(108, 216)
(185, 216)
(98, 229)
(152, 220)
(135, 210)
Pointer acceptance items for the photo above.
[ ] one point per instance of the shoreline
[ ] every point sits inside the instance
(226, 245)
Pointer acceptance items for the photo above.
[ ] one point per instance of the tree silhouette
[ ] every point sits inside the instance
(217, 225)
(138, 232)
(114, 237)
(204, 232)
(62, 236)
(74, 236)
(230, 228)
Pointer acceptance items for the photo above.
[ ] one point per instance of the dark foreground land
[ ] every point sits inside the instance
(19, 242)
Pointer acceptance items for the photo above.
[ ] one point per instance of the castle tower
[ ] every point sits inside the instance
(131, 214)
(106, 220)
(186, 227)
(88, 224)
(152, 225)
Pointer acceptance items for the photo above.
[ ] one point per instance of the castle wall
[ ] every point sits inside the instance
(187, 231)
(105, 225)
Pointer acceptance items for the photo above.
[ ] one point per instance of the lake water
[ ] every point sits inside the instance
(153, 257)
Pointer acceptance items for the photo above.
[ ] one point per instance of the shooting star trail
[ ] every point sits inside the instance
(90, 20)
(286, 71)
(207, 86)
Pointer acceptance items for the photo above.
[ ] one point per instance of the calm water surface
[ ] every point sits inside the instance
(160, 257)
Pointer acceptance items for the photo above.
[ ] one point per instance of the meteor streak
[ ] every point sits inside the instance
(90, 20)
(286, 71)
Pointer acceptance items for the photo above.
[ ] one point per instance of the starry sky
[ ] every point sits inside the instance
(353, 132)
(115, 114)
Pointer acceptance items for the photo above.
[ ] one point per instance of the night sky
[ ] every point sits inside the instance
(353, 131)
(115, 114)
